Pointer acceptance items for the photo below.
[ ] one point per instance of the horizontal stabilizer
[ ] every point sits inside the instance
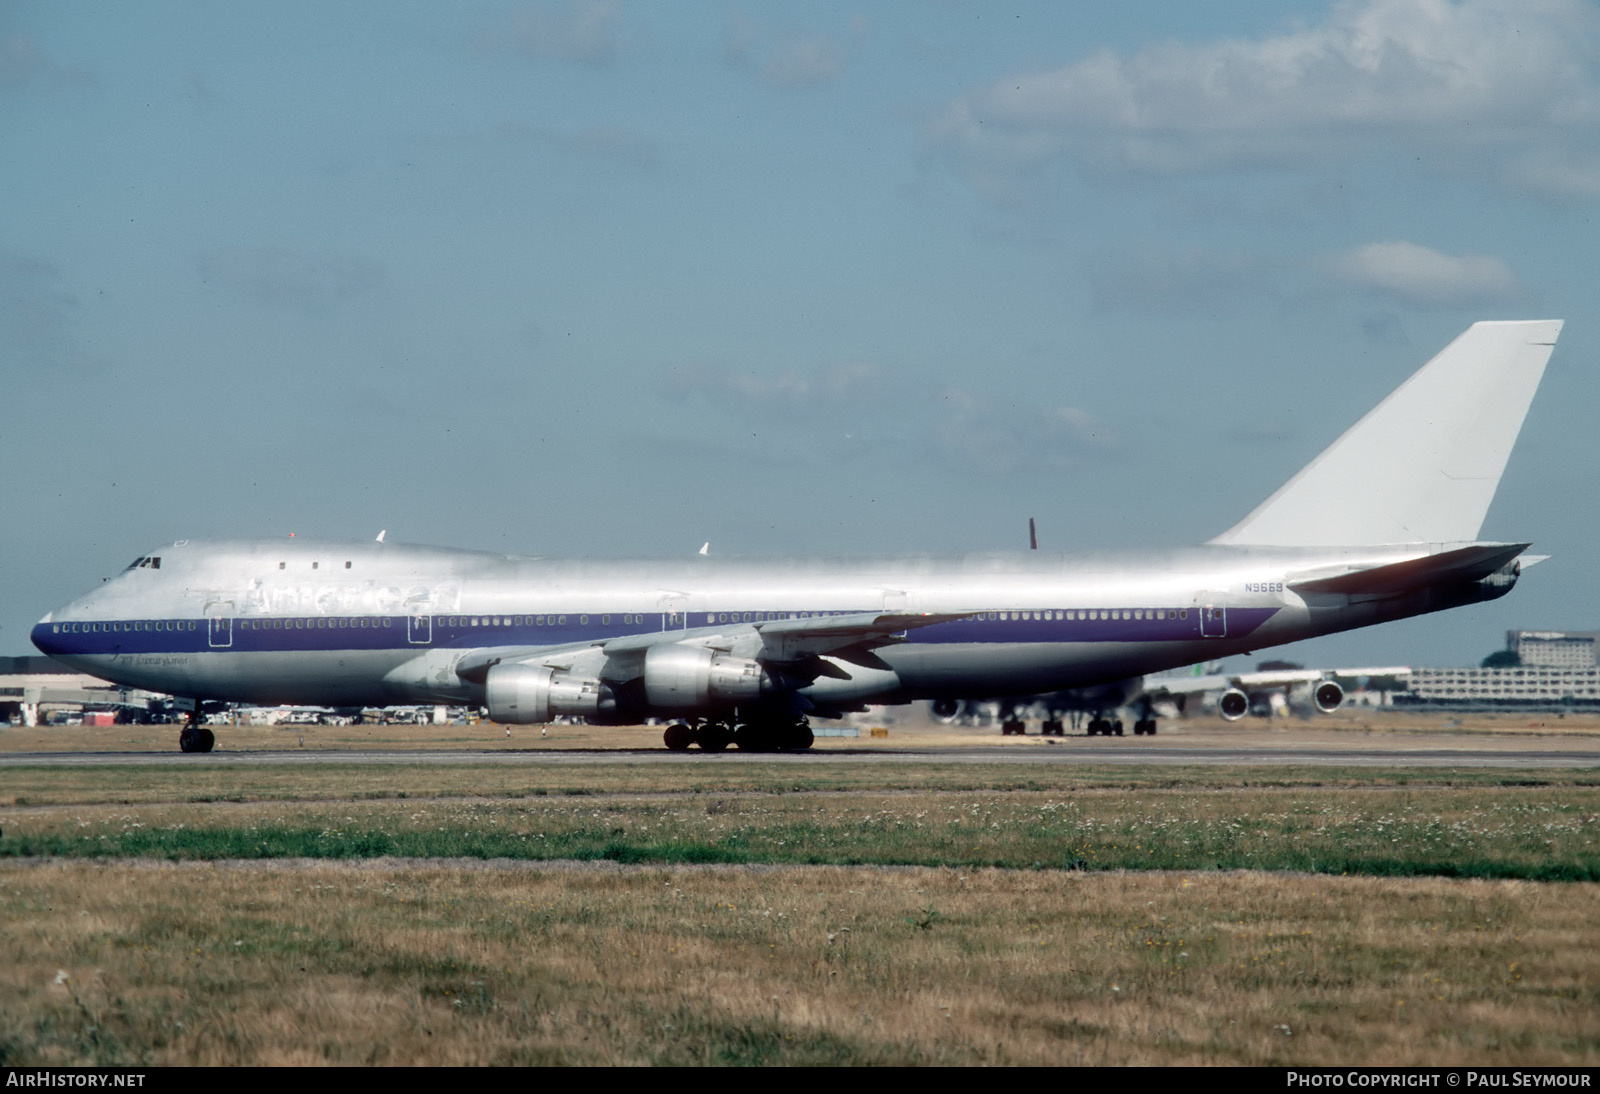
(1422, 467)
(1463, 564)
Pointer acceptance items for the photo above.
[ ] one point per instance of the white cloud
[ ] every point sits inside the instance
(804, 62)
(978, 437)
(40, 319)
(1418, 275)
(584, 32)
(23, 63)
(1185, 281)
(1513, 75)
(794, 61)
(831, 389)
(273, 275)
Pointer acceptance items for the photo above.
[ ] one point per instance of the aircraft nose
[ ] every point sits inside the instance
(45, 635)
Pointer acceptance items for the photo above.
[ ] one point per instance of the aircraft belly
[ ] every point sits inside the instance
(336, 678)
(981, 671)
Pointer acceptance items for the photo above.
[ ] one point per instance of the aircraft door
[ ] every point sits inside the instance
(220, 628)
(1213, 616)
(419, 629)
(674, 616)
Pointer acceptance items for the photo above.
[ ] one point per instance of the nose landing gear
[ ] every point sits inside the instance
(194, 737)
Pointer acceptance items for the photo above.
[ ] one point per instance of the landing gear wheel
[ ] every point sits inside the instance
(196, 739)
(1144, 726)
(1116, 727)
(714, 737)
(1052, 728)
(1099, 727)
(798, 735)
(1013, 727)
(678, 737)
(755, 737)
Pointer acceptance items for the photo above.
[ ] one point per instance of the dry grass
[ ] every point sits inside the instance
(445, 963)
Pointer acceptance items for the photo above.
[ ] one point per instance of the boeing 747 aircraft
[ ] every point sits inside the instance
(1382, 525)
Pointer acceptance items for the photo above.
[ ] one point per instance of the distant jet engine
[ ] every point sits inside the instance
(1233, 705)
(693, 678)
(947, 711)
(524, 694)
(1327, 696)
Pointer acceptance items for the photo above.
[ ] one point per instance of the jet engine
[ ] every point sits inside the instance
(1327, 696)
(1233, 705)
(947, 711)
(693, 678)
(523, 694)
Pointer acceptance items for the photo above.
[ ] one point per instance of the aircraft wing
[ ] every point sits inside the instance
(1157, 687)
(773, 640)
(793, 639)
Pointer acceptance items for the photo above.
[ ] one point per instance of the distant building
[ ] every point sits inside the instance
(29, 685)
(1535, 685)
(1554, 649)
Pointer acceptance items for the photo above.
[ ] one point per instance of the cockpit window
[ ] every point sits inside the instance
(143, 561)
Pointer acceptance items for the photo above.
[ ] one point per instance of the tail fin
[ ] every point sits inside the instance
(1423, 465)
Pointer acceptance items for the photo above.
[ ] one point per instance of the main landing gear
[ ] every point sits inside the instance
(194, 737)
(1016, 727)
(764, 735)
(1099, 726)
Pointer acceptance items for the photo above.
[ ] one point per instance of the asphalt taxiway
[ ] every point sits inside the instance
(1141, 754)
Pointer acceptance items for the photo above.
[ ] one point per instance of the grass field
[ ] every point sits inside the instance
(878, 913)
(449, 963)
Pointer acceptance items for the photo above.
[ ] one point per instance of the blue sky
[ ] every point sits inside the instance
(610, 278)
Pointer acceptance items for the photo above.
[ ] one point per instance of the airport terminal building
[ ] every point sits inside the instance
(31, 687)
(1558, 669)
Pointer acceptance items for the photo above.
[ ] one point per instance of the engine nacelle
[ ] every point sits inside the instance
(695, 678)
(947, 711)
(1327, 696)
(524, 694)
(1233, 705)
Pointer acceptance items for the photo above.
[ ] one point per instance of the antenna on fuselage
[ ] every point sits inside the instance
(382, 534)
(1033, 536)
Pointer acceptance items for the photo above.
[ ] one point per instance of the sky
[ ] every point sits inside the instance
(585, 277)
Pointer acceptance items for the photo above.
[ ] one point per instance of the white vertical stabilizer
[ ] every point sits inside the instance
(1423, 466)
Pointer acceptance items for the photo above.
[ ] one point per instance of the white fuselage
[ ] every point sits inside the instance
(344, 624)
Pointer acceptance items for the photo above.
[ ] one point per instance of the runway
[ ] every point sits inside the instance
(1146, 754)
